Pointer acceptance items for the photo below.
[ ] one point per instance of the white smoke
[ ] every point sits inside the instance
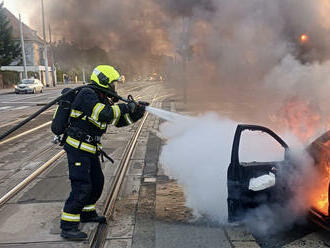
(197, 154)
(308, 79)
(280, 216)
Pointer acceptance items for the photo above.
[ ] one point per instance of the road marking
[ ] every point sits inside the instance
(14, 108)
(5, 107)
(22, 107)
(22, 102)
(24, 98)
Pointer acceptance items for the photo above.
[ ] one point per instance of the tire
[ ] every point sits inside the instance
(41, 90)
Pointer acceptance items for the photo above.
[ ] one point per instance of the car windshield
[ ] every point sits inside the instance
(28, 81)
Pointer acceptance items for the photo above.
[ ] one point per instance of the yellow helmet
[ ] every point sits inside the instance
(105, 75)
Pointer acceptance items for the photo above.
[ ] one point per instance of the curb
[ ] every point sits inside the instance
(7, 93)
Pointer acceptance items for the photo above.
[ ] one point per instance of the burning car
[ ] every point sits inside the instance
(252, 184)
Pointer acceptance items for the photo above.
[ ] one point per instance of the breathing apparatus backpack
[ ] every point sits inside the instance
(61, 118)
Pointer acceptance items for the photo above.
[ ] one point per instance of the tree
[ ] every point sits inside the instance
(9, 49)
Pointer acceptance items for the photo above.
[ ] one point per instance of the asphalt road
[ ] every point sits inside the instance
(14, 107)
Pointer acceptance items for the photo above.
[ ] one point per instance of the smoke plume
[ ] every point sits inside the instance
(219, 50)
(197, 154)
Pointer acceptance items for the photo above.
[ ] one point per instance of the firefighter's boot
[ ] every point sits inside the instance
(73, 234)
(92, 217)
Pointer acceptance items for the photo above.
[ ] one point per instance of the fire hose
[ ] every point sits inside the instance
(47, 106)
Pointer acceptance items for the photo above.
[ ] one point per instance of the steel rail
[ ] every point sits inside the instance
(25, 133)
(99, 236)
(29, 179)
(20, 119)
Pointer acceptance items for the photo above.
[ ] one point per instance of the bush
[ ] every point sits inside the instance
(10, 78)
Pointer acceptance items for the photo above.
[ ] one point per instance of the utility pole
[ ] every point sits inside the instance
(84, 75)
(23, 47)
(185, 53)
(54, 78)
(45, 43)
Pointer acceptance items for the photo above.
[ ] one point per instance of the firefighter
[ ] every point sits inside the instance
(92, 111)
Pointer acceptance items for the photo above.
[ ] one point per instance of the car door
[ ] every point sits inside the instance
(39, 86)
(241, 174)
(34, 85)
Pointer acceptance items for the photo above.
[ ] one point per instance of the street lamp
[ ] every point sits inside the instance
(45, 43)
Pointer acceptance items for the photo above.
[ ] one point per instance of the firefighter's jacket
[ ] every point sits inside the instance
(90, 116)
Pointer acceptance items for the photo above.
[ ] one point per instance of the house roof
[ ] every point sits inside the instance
(29, 34)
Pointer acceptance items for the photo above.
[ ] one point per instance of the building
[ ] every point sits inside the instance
(34, 47)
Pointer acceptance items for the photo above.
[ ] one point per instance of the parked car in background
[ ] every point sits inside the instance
(29, 86)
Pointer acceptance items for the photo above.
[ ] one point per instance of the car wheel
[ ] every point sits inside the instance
(41, 90)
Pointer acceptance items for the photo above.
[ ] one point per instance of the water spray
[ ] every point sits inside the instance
(167, 115)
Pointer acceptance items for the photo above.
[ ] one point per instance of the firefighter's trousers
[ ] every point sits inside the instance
(87, 182)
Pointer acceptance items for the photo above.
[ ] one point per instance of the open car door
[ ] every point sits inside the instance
(253, 183)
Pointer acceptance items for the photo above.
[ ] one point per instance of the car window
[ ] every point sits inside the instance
(257, 146)
(28, 81)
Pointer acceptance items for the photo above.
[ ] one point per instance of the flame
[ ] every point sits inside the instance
(300, 117)
(304, 38)
(320, 196)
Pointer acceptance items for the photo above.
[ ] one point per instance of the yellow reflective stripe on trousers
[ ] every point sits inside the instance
(116, 114)
(83, 146)
(75, 113)
(128, 119)
(97, 110)
(70, 217)
(89, 208)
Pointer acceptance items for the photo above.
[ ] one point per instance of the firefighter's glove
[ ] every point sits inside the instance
(132, 107)
(144, 103)
(141, 107)
(115, 99)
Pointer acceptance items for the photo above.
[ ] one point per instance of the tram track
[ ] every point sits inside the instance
(98, 238)
(22, 185)
(99, 235)
(46, 124)
(48, 163)
(13, 192)
(45, 159)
